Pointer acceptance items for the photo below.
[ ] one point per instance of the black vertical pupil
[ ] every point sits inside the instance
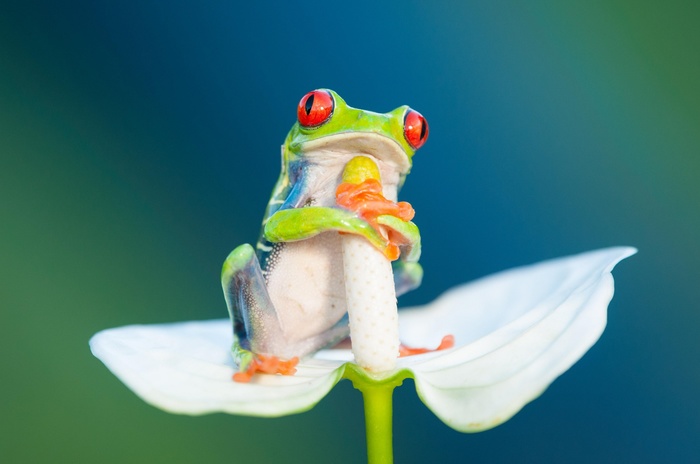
(422, 129)
(309, 104)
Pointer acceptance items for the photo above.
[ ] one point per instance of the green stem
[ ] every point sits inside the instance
(378, 415)
(377, 393)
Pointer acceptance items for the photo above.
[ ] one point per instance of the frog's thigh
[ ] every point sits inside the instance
(255, 320)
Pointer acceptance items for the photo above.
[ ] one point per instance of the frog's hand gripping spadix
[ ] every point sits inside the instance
(369, 284)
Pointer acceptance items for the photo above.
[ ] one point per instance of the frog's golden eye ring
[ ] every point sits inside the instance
(415, 129)
(315, 108)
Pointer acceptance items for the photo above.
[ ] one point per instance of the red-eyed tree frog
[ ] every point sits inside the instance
(286, 296)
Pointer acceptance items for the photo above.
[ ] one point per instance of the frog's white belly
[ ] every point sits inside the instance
(307, 286)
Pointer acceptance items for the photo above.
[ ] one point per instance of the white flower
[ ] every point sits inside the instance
(515, 332)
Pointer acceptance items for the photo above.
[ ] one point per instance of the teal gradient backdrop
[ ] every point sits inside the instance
(139, 144)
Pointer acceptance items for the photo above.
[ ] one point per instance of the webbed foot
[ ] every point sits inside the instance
(448, 341)
(251, 363)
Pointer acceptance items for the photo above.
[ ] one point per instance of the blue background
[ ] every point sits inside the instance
(139, 144)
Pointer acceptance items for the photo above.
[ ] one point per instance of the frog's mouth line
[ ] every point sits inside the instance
(328, 156)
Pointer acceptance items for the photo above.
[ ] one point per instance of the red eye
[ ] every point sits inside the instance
(315, 108)
(415, 129)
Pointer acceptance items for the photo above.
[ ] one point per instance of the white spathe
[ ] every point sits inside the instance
(515, 332)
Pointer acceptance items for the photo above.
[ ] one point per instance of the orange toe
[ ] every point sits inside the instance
(392, 251)
(266, 364)
(448, 341)
(366, 199)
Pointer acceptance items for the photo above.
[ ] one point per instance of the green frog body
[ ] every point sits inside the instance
(286, 296)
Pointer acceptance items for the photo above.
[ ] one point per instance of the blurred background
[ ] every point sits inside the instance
(139, 144)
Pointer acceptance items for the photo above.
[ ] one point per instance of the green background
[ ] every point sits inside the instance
(139, 143)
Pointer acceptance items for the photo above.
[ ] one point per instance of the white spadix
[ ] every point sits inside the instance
(369, 289)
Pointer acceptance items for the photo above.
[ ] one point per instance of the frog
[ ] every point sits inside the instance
(286, 295)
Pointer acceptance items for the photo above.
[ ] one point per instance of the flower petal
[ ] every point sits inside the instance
(186, 368)
(517, 331)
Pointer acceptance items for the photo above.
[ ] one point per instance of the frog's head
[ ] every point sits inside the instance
(328, 133)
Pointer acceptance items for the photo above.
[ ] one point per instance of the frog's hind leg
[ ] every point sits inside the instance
(407, 276)
(255, 322)
(256, 325)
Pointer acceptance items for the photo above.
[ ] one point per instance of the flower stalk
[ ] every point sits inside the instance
(378, 423)
(377, 398)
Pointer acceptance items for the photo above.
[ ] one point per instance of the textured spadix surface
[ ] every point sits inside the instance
(371, 302)
(515, 332)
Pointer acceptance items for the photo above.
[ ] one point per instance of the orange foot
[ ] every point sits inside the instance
(267, 365)
(367, 200)
(448, 341)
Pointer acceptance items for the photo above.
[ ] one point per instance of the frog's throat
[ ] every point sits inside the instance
(341, 148)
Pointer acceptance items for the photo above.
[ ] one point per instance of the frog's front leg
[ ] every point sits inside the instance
(290, 225)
